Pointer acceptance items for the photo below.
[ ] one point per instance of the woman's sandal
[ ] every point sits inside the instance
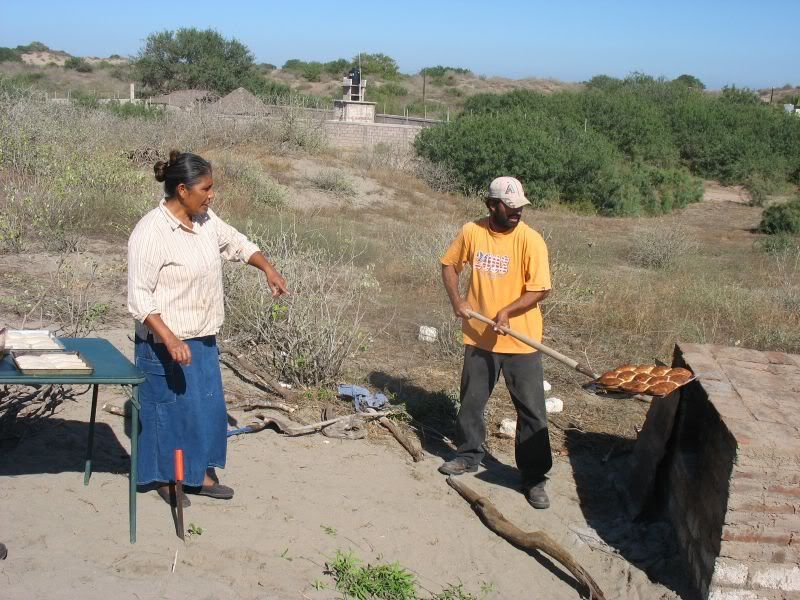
(216, 490)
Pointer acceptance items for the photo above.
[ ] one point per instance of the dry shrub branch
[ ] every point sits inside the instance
(303, 338)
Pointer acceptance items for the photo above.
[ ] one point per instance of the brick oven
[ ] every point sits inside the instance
(723, 456)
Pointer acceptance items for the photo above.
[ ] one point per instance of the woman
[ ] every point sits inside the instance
(175, 295)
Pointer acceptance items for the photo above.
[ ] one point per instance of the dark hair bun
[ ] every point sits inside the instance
(160, 169)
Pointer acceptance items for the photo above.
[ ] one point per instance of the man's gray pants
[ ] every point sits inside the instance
(523, 377)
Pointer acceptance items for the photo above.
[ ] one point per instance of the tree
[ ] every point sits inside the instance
(377, 65)
(690, 81)
(190, 58)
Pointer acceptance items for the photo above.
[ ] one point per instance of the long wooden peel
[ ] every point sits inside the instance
(529, 540)
(581, 368)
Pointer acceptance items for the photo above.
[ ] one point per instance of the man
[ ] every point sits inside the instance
(510, 276)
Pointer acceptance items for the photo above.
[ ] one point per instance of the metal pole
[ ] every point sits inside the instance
(134, 458)
(424, 78)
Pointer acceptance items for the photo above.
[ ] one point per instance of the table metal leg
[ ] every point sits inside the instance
(87, 470)
(134, 459)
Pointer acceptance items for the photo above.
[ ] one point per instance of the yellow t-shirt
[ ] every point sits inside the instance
(504, 266)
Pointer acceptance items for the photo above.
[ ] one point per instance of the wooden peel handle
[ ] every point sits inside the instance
(538, 345)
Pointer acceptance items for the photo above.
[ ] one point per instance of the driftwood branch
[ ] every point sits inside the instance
(290, 428)
(247, 370)
(415, 452)
(532, 540)
(248, 405)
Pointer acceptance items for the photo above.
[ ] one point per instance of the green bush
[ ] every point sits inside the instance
(78, 64)
(9, 55)
(392, 89)
(130, 111)
(337, 67)
(556, 159)
(311, 71)
(377, 65)
(441, 71)
(782, 218)
(732, 137)
(32, 47)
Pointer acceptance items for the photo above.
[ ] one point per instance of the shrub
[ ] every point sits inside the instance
(336, 67)
(377, 65)
(303, 338)
(9, 55)
(78, 64)
(441, 71)
(311, 71)
(128, 110)
(782, 218)
(247, 179)
(333, 181)
(393, 89)
(659, 247)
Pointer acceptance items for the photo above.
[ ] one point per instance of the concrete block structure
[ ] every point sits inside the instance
(730, 474)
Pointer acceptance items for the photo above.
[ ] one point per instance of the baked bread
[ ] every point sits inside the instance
(635, 387)
(645, 379)
(627, 375)
(662, 388)
(609, 379)
(612, 383)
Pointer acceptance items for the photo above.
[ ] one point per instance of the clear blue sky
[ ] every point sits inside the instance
(747, 43)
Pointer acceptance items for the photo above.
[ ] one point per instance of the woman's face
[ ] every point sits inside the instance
(198, 198)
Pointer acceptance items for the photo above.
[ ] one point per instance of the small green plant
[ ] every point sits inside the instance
(285, 555)
(454, 592)
(195, 529)
(328, 529)
(319, 585)
(365, 582)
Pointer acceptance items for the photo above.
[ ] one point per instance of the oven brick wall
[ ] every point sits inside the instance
(732, 472)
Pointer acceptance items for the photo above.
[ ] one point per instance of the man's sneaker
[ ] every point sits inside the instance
(536, 496)
(457, 466)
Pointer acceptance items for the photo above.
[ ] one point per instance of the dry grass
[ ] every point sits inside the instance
(624, 289)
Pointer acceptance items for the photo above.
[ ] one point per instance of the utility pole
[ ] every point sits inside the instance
(424, 107)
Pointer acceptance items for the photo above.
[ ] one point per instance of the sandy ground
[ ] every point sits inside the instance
(297, 501)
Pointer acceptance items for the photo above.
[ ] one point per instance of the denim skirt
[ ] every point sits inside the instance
(182, 407)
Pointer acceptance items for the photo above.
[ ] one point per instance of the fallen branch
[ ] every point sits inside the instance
(290, 428)
(248, 405)
(241, 366)
(415, 452)
(532, 540)
(344, 430)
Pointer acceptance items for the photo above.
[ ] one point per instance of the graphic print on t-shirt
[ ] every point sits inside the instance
(492, 265)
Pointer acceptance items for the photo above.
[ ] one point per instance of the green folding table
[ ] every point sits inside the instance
(110, 368)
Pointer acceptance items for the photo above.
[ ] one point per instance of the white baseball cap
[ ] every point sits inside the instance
(509, 191)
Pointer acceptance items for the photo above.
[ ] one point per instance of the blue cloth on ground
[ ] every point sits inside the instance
(362, 397)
